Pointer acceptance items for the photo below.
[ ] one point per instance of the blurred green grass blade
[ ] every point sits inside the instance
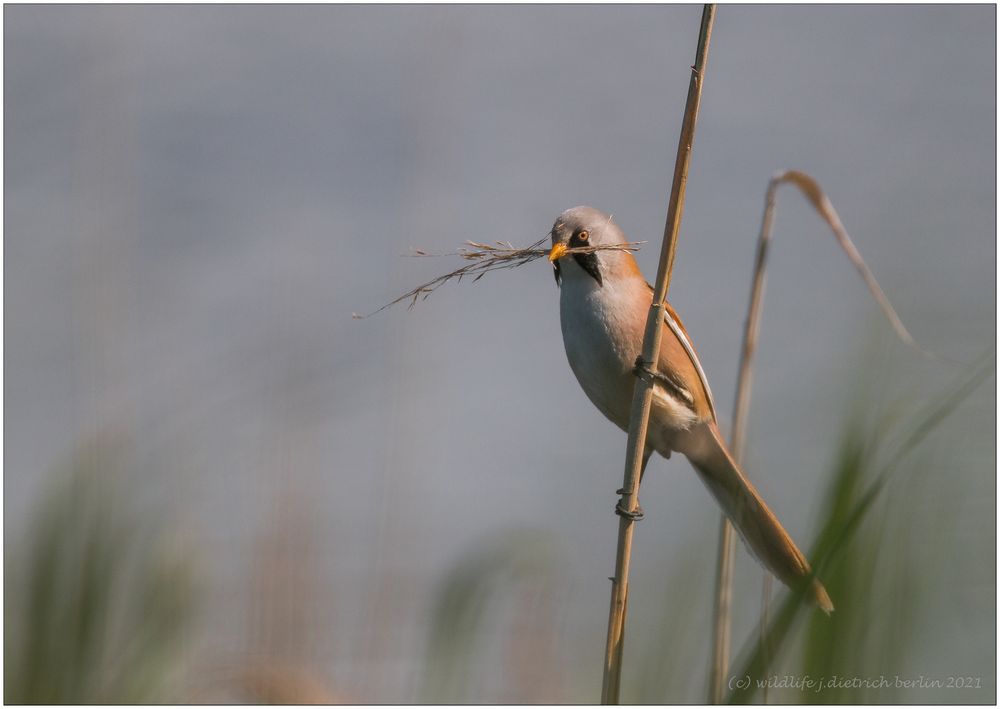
(468, 594)
(664, 661)
(842, 520)
(94, 610)
(923, 425)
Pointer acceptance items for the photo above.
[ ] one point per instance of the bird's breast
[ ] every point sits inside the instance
(602, 329)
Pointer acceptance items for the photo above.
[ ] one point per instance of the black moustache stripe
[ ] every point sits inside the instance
(589, 263)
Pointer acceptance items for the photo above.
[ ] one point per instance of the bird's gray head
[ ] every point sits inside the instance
(585, 226)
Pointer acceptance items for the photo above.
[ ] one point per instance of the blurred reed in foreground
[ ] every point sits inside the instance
(98, 608)
(510, 581)
(883, 492)
(95, 603)
(865, 551)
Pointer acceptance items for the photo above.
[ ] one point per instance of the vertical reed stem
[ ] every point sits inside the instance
(721, 624)
(724, 577)
(642, 398)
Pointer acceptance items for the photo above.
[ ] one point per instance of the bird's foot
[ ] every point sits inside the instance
(643, 370)
(635, 515)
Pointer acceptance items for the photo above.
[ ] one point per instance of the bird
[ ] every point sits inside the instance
(604, 302)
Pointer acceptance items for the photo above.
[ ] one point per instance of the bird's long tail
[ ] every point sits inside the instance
(759, 527)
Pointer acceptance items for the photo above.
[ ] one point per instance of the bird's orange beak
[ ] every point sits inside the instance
(557, 252)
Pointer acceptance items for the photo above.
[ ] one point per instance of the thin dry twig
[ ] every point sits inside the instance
(486, 258)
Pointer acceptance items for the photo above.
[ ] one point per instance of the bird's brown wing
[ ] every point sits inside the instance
(679, 360)
(677, 355)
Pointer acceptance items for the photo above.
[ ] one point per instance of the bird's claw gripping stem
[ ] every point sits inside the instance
(636, 515)
(643, 370)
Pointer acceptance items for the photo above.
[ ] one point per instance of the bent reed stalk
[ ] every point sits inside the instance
(811, 190)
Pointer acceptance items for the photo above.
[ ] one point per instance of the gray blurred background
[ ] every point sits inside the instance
(198, 197)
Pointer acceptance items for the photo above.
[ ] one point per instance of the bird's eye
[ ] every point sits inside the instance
(583, 235)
